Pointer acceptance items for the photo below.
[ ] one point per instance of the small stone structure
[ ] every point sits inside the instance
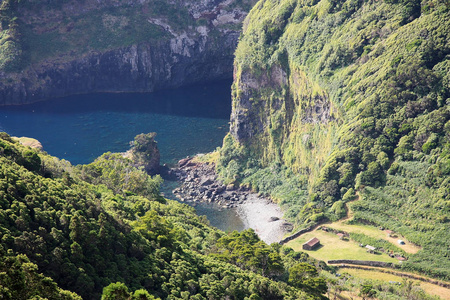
(311, 244)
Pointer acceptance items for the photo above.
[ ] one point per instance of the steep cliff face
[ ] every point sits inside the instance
(114, 47)
(138, 68)
(315, 80)
(334, 98)
(279, 115)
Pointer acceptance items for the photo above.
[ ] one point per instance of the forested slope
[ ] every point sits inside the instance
(102, 225)
(331, 98)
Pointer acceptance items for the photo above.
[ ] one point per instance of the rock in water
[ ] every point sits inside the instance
(145, 152)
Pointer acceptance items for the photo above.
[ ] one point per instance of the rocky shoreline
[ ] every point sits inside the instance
(200, 183)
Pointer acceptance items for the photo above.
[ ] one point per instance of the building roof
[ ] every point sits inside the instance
(312, 242)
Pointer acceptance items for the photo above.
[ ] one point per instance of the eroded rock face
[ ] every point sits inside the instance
(253, 110)
(281, 114)
(138, 68)
(184, 56)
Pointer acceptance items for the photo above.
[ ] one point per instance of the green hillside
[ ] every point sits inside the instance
(103, 230)
(336, 104)
(334, 99)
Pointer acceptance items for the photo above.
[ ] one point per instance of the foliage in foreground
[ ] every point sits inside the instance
(68, 224)
(19, 279)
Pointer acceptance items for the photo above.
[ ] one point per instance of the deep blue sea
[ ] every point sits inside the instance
(80, 128)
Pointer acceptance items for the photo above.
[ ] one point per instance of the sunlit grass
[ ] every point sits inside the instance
(211, 157)
(334, 248)
(429, 288)
(30, 142)
(375, 233)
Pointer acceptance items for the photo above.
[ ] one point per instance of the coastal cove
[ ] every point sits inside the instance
(80, 128)
(187, 121)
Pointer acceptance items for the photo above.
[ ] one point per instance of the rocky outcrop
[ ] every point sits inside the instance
(200, 183)
(144, 153)
(180, 57)
(254, 110)
(29, 142)
(250, 116)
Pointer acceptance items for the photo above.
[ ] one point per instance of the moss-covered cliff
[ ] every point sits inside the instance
(330, 97)
(57, 48)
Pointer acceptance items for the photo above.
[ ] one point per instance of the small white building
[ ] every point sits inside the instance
(370, 249)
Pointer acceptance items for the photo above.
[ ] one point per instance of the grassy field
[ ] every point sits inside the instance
(429, 288)
(371, 231)
(375, 233)
(334, 248)
(348, 295)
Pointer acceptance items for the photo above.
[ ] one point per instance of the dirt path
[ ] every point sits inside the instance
(350, 213)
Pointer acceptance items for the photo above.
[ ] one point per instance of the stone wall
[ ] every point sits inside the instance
(362, 263)
(294, 236)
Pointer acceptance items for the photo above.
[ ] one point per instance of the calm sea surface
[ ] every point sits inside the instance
(80, 128)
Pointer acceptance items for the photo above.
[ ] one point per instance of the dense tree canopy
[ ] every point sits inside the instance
(103, 230)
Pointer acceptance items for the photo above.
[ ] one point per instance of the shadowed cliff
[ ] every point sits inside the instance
(53, 49)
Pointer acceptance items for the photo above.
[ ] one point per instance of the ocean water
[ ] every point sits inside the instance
(80, 128)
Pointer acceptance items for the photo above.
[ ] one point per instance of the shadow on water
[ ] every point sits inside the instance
(210, 100)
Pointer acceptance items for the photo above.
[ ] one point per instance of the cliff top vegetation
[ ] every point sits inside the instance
(35, 31)
(103, 228)
(338, 99)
